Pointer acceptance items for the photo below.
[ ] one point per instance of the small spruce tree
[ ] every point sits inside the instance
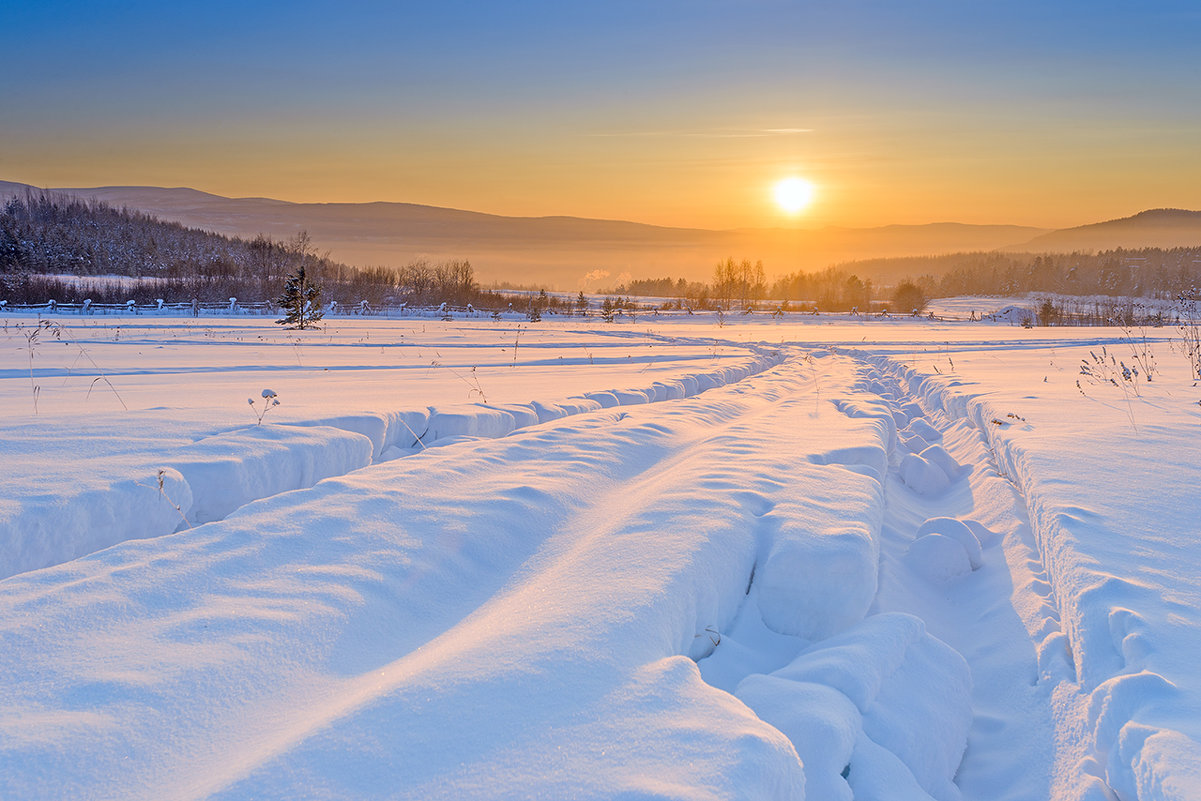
(301, 301)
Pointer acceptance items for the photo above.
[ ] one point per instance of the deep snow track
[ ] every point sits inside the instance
(956, 553)
(502, 618)
(945, 512)
(1097, 719)
(149, 485)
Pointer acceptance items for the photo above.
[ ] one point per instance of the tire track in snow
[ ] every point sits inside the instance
(874, 705)
(1085, 667)
(210, 479)
(947, 510)
(399, 631)
(939, 567)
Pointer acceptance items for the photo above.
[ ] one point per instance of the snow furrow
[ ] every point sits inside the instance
(940, 564)
(1110, 706)
(874, 705)
(211, 478)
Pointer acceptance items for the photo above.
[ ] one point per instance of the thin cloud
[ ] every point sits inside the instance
(715, 133)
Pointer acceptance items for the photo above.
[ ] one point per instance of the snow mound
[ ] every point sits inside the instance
(923, 476)
(87, 518)
(921, 427)
(937, 454)
(821, 722)
(869, 460)
(959, 531)
(914, 694)
(472, 421)
(669, 390)
(630, 397)
(524, 414)
(607, 400)
(814, 585)
(564, 408)
(398, 428)
(874, 408)
(938, 558)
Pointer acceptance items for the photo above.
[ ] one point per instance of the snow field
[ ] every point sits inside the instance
(918, 569)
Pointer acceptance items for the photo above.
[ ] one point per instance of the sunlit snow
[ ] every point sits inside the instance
(808, 557)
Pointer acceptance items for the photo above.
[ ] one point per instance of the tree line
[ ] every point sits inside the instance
(743, 284)
(55, 246)
(1134, 272)
(1143, 272)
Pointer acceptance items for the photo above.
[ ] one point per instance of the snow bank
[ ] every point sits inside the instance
(230, 470)
(67, 522)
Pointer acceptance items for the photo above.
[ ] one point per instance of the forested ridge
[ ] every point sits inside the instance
(49, 241)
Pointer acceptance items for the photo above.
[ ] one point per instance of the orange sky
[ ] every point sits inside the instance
(678, 113)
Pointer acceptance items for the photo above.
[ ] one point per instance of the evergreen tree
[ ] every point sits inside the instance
(533, 312)
(301, 301)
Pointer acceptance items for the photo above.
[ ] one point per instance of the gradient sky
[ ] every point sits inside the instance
(660, 111)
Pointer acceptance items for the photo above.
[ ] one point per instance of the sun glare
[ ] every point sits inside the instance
(793, 195)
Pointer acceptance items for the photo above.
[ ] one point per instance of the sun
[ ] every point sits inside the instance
(793, 195)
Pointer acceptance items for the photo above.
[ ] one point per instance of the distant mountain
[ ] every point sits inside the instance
(556, 251)
(1155, 228)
